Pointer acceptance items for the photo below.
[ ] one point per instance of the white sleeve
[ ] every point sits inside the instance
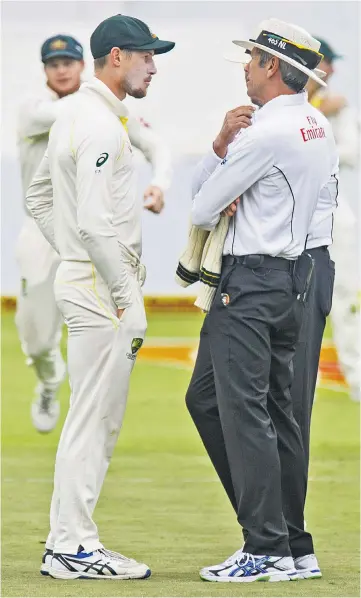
(37, 115)
(94, 176)
(39, 200)
(250, 161)
(327, 200)
(346, 128)
(154, 150)
(204, 169)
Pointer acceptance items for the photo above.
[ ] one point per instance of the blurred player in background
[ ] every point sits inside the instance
(38, 319)
(345, 313)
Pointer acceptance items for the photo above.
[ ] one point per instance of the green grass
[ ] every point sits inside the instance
(161, 501)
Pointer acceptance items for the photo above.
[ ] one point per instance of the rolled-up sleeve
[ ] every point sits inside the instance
(96, 155)
(249, 162)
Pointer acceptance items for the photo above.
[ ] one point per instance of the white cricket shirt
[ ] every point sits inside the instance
(83, 196)
(278, 167)
(38, 113)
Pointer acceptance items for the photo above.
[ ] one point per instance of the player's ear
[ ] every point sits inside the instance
(272, 66)
(116, 56)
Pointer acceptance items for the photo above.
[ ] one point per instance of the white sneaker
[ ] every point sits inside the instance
(245, 567)
(45, 411)
(100, 564)
(307, 567)
(46, 562)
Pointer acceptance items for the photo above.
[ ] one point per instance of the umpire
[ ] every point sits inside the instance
(272, 175)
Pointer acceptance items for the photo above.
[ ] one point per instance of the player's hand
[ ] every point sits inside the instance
(331, 105)
(235, 120)
(154, 199)
(120, 313)
(231, 209)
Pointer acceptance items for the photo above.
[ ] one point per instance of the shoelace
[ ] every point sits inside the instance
(242, 558)
(238, 555)
(249, 559)
(113, 555)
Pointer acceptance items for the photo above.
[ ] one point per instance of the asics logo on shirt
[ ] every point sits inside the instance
(102, 159)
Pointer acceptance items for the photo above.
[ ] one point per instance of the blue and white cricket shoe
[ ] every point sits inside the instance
(100, 564)
(46, 561)
(245, 567)
(307, 567)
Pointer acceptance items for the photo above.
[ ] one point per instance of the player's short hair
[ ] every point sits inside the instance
(99, 63)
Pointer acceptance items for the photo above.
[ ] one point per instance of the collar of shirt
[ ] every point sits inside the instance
(295, 99)
(100, 89)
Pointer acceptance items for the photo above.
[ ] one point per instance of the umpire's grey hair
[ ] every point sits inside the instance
(291, 76)
(99, 63)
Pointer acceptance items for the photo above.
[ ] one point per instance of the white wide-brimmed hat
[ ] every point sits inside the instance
(289, 43)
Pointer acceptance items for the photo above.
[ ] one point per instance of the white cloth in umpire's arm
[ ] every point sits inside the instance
(202, 258)
(202, 261)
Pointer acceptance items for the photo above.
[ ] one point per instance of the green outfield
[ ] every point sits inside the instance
(161, 502)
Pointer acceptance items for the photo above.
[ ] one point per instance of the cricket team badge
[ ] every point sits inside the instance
(135, 346)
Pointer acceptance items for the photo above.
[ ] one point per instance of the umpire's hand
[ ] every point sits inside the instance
(235, 120)
(231, 209)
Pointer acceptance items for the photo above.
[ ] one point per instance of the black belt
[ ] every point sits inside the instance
(322, 247)
(259, 261)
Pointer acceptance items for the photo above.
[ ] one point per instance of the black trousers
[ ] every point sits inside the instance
(308, 348)
(239, 399)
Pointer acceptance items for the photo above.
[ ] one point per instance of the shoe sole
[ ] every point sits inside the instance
(56, 574)
(291, 576)
(309, 574)
(44, 570)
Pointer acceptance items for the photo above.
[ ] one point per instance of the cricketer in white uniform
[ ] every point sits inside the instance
(84, 199)
(38, 319)
(345, 314)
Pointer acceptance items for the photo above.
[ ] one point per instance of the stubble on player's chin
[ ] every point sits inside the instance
(138, 93)
(135, 93)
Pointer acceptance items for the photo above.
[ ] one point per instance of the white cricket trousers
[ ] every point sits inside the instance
(101, 354)
(38, 319)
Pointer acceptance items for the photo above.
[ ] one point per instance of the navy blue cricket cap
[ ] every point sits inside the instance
(328, 52)
(126, 33)
(61, 46)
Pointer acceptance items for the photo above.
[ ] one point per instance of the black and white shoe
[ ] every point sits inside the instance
(46, 562)
(100, 564)
(245, 567)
